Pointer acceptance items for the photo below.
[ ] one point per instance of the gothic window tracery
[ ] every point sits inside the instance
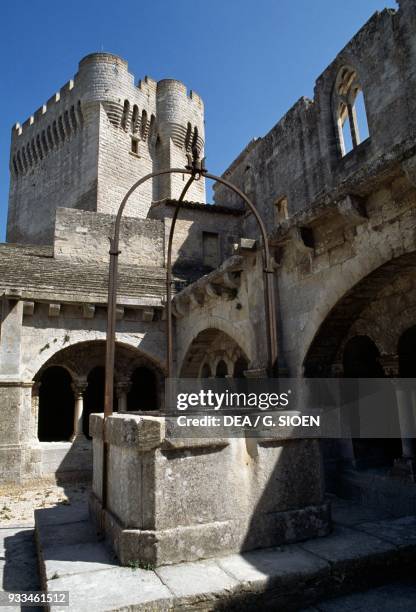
(350, 110)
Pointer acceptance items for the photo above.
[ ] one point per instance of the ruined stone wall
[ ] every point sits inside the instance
(234, 306)
(301, 158)
(323, 290)
(192, 222)
(83, 236)
(44, 335)
(53, 163)
(90, 142)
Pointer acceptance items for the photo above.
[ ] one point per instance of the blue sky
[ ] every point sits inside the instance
(249, 60)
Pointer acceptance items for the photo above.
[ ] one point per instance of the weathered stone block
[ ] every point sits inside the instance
(163, 501)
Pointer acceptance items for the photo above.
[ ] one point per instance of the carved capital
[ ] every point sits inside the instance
(390, 365)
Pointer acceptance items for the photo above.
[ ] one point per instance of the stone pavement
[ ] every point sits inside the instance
(367, 546)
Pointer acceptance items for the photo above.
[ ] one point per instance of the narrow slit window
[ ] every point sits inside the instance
(135, 146)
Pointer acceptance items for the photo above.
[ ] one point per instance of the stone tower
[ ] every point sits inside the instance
(93, 139)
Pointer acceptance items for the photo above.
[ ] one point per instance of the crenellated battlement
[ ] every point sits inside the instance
(47, 138)
(90, 141)
(137, 112)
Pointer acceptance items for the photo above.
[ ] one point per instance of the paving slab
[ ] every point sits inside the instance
(350, 513)
(16, 537)
(119, 588)
(18, 564)
(274, 566)
(62, 561)
(62, 513)
(346, 544)
(400, 531)
(397, 597)
(198, 581)
(281, 578)
(66, 533)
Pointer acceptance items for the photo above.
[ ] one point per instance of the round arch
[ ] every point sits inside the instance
(56, 405)
(334, 328)
(211, 347)
(218, 325)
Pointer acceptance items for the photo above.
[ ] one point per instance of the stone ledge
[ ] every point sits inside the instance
(193, 542)
(286, 578)
(129, 430)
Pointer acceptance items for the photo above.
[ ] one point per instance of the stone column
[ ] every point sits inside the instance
(405, 466)
(15, 413)
(79, 388)
(345, 445)
(35, 409)
(122, 389)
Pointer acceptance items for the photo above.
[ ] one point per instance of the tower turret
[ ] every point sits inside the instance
(92, 140)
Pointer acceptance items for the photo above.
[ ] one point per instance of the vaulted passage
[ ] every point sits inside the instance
(407, 353)
(93, 396)
(56, 405)
(72, 387)
(371, 334)
(214, 353)
(143, 391)
(361, 359)
(334, 329)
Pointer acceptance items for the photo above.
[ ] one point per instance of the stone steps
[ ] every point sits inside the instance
(365, 549)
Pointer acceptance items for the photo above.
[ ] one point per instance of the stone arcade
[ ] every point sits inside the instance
(335, 180)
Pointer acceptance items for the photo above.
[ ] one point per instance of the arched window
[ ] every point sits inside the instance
(350, 110)
(143, 391)
(240, 366)
(94, 396)
(206, 371)
(56, 406)
(221, 369)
